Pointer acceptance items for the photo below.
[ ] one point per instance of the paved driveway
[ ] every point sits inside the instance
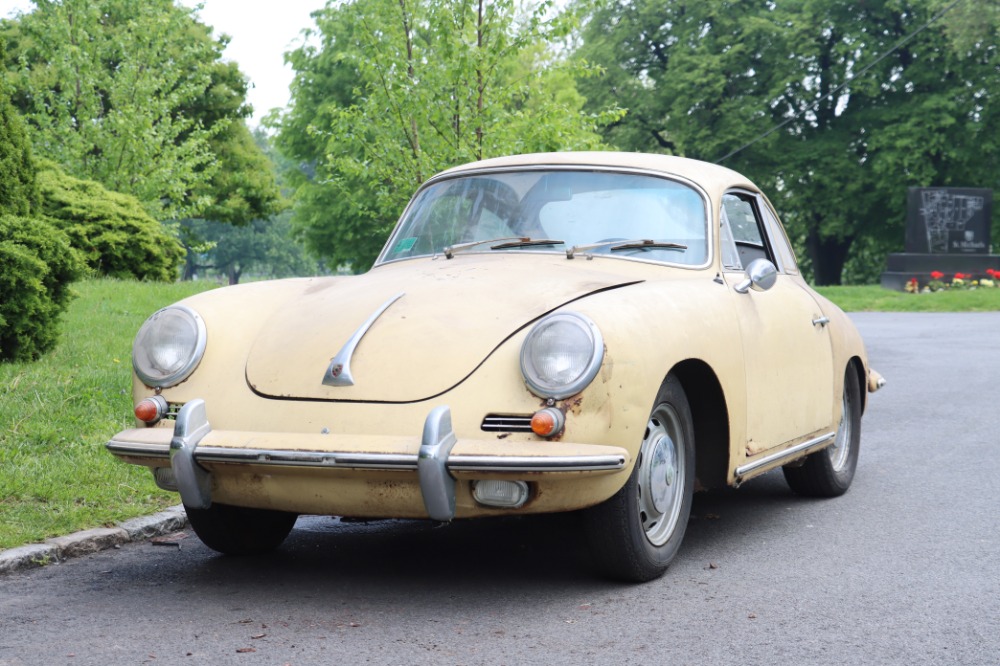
(901, 570)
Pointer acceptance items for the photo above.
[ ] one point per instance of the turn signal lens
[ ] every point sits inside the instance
(151, 410)
(547, 422)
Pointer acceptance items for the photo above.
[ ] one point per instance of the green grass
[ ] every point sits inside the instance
(57, 413)
(877, 299)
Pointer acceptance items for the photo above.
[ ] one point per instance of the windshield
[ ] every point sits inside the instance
(554, 211)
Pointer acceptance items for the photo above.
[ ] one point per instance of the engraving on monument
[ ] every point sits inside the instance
(948, 220)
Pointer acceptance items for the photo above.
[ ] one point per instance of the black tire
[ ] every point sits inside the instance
(235, 530)
(829, 473)
(636, 533)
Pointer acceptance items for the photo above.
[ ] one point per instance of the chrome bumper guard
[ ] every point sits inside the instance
(432, 463)
(193, 480)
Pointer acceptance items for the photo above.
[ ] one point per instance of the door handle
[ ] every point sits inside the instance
(821, 321)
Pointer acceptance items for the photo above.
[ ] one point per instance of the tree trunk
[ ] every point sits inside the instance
(828, 256)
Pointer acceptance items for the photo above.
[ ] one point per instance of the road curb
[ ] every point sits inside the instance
(86, 542)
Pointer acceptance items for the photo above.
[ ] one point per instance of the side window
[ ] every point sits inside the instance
(779, 240)
(745, 229)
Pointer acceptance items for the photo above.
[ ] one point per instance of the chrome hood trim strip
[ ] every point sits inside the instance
(339, 372)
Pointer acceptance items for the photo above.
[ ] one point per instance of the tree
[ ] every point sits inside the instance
(18, 188)
(264, 248)
(400, 89)
(136, 97)
(707, 79)
(38, 263)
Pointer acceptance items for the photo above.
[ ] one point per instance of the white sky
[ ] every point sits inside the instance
(261, 32)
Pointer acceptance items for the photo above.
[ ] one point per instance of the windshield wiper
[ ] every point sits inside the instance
(643, 244)
(622, 244)
(501, 244)
(527, 242)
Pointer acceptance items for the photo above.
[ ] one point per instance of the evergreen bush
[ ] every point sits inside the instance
(112, 230)
(38, 267)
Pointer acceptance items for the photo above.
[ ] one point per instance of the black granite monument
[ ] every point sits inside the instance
(947, 230)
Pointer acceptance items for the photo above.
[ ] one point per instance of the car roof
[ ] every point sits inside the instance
(713, 178)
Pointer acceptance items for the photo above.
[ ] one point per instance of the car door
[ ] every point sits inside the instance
(786, 344)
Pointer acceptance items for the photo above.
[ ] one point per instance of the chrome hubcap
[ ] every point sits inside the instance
(842, 444)
(661, 475)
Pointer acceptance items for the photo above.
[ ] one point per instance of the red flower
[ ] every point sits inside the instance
(936, 275)
(962, 276)
(992, 273)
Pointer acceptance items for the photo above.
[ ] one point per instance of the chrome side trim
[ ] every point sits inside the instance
(436, 485)
(787, 453)
(339, 372)
(193, 482)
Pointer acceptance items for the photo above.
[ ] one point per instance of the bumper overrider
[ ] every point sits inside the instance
(436, 458)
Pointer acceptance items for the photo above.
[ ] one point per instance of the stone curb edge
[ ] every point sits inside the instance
(91, 541)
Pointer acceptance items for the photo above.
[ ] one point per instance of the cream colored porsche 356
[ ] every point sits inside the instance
(603, 332)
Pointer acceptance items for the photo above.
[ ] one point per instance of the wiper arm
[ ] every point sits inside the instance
(451, 250)
(621, 244)
(501, 244)
(527, 242)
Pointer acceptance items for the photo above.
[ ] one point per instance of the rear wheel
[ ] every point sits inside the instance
(829, 473)
(236, 530)
(636, 533)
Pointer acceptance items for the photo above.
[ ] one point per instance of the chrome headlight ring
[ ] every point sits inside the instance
(169, 346)
(561, 355)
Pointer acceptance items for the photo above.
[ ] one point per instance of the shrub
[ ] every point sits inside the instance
(112, 230)
(38, 267)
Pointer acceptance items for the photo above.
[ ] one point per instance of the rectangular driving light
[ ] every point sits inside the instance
(502, 494)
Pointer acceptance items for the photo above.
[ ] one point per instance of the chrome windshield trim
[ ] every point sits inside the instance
(786, 453)
(710, 220)
(339, 372)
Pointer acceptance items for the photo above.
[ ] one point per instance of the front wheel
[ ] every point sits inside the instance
(636, 533)
(236, 530)
(829, 473)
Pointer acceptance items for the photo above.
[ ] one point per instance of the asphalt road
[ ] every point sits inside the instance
(901, 570)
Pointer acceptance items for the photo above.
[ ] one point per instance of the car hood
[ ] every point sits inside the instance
(451, 316)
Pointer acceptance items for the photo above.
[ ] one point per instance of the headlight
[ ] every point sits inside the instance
(169, 346)
(561, 355)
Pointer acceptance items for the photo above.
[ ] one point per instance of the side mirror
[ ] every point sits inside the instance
(761, 276)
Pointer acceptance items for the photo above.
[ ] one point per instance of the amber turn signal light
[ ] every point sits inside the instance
(151, 410)
(547, 422)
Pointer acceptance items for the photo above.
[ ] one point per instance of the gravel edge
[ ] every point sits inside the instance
(86, 542)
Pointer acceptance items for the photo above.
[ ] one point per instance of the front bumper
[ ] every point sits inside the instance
(200, 457)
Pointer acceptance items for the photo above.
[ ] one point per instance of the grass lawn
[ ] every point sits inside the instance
(876, 299)
(57, 413)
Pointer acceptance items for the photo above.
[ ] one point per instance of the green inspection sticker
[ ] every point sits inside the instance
(405, 244)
